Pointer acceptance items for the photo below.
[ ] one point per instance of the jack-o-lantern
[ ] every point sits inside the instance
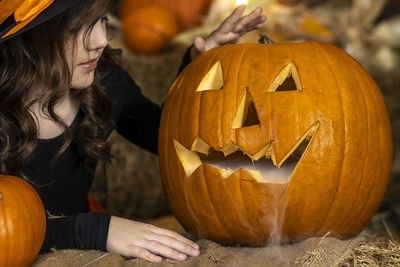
(274, 142)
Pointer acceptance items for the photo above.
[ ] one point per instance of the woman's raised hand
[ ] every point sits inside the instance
(230, 30)
(140, 240)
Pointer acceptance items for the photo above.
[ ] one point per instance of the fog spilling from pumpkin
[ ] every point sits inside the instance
(266, 170)
(261, 169)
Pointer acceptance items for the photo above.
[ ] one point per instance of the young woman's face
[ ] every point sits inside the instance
(82, 59)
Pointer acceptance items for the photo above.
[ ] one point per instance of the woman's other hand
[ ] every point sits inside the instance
(140, 240)
(230, 30)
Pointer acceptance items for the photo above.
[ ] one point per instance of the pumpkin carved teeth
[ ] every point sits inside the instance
(262, 166)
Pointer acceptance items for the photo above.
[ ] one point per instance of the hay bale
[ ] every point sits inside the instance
(381, 252)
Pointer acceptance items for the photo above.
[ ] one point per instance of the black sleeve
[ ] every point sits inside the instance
(135, 116)
(81, 231)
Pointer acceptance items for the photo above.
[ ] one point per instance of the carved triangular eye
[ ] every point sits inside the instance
(213, 79)
(246, 114)
(287, 80)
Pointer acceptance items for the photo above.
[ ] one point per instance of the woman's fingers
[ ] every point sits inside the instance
(165, 250)
(254, 18)
(230, 22)
(258, 21)
(142, 253)
(235, 15)
(154, 250)
(199, 44)
(235, 24)
(176, 244)
(177, 236)
(151, 250)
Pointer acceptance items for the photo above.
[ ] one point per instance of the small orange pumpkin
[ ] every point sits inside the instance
(189, 12)
(149, 28)
(272, 142)
(22, 222)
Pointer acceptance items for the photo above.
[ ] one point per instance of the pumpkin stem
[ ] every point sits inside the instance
(265, 40)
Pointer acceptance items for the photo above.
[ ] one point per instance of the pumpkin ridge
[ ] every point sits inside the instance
(191, 213)
(365, 159)
(361, 211)
(212, 208)
(5, 224)
(241, 57)
(191, 216)
(184, 182)
(19, 199)
(13, 192)
(207, 190)
(350, 210)
(233, 133)
(221, 118)
(371, 84)
(23, 210)
(31, 226)
(238, 184)
(297, 108)
(166, 113)
(240, 208)
(343, 151)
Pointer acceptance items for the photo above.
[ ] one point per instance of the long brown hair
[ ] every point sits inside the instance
(35, 58)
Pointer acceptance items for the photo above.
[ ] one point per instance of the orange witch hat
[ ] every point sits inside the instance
(18, 16)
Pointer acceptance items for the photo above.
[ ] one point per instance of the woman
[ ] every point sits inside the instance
(61, 95)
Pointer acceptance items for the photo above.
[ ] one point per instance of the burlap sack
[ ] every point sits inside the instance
(319, 252)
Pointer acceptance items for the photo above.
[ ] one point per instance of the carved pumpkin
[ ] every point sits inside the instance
(22, 222)
(148, 29)
(274, 142)
(189, 12)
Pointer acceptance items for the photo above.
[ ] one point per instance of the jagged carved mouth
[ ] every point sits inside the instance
(262, 166)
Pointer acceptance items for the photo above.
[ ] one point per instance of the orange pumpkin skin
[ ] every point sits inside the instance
(22, 222)
(189, 12)
(148, 29)
(337, 185)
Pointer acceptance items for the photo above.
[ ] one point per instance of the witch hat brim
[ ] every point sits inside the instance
(10, 27)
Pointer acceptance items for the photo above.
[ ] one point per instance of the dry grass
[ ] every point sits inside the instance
(384, 252)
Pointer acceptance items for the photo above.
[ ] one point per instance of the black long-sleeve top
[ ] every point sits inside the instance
(64, 186)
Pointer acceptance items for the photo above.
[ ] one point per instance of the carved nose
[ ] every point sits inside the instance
(246, 115)
(247, 126)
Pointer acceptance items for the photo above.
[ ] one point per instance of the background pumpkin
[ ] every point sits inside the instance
(149, 28)
(22, 222)
(189, 12)
(341, 178)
